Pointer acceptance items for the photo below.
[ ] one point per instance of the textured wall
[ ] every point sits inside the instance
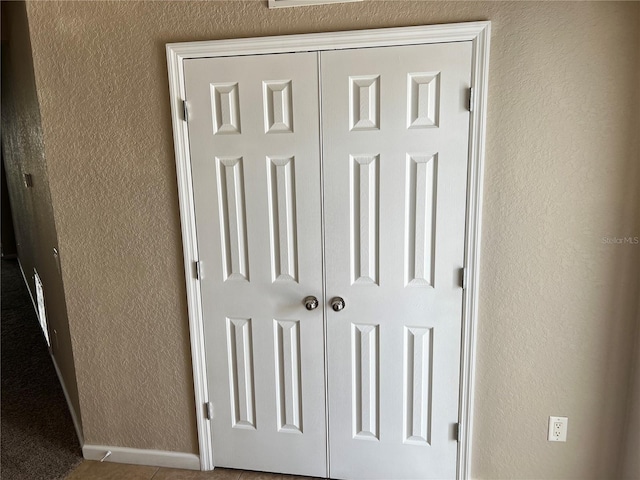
(630, 464)
(558, 305)
(23, 152)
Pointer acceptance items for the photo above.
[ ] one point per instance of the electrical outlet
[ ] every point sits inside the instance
(558, 429)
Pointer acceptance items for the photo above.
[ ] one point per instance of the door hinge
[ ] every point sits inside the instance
(199, 269)
(28, 180)
(208, 410)
(456, 432)
(471, 100)
(185, 111)
(463, 278)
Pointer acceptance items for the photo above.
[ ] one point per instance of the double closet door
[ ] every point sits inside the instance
(338, 176)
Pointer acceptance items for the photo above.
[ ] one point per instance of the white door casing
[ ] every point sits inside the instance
(395, 147)
(179, 54)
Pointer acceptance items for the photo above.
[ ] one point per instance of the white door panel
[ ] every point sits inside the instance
(395, 165)
(254, 144)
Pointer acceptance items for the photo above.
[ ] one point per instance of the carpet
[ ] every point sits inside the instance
(38, 439)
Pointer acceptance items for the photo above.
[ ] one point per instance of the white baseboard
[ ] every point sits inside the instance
(72, 411)
(135, 456)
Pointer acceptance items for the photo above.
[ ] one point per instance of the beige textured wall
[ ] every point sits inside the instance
(558, 305)
(630, 463)
(23, 152)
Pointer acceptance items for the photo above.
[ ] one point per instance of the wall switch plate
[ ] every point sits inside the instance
(558, 429)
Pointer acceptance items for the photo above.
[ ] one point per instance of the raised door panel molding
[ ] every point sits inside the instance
(235, 256)
(364, 95)
(365, 214)
(365, 348)
(226, 108)
(418, 375)
(288, 375)
(282, 216)
(423, 100)
(420, 218)
(278, 106)
(241, 381)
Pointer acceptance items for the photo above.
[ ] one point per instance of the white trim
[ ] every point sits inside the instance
(137, 456)
(72, 411)
(302, 3)
(476, 32)
(383, 37)
(477, 135)
(190, 251)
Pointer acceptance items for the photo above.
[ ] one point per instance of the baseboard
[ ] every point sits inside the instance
(135, 456)
(72, 411)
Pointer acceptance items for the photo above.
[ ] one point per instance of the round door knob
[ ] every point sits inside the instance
(337, 304)
(310, 303)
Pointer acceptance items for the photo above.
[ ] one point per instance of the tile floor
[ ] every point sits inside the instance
(89, 470)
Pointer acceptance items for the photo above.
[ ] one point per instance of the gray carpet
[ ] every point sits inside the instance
(38, 439)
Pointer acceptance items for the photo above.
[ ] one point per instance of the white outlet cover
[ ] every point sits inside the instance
(558, 429)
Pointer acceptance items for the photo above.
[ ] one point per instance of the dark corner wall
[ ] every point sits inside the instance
(33, 217)
(8, 235)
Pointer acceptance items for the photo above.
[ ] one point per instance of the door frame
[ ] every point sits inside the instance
(478, 33)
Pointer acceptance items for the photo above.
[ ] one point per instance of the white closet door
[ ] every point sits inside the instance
(395, 147)
(254, 146)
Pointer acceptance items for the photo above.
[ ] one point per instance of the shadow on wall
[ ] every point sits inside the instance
(8, 242)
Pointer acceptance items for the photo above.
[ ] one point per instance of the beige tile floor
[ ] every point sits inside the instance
(89, 470)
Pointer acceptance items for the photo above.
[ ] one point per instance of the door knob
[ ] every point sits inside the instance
(337, 303)
(310, 302)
